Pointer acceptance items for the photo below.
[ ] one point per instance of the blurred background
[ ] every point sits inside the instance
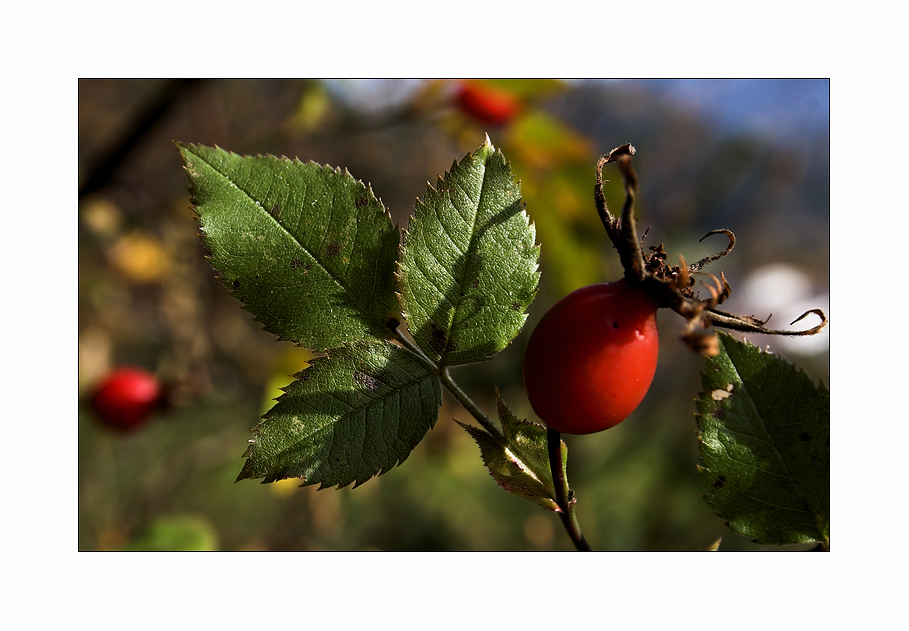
(751, 156)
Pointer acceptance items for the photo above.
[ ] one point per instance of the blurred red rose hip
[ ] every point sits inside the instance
(487, 103)
(127, 397)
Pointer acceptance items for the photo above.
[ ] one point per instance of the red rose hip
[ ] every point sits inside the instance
(591, 359)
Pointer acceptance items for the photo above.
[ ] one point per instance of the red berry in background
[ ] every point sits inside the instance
(591, 359)
(487, 103)
(127, 397)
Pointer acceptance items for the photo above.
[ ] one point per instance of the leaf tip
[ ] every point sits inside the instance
(245, 473)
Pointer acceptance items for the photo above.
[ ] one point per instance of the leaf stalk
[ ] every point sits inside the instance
(468, 403)
(451, 385)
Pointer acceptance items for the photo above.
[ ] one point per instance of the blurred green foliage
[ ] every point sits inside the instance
(148, 297)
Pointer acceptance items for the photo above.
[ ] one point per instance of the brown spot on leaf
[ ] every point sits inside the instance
(361, 201)
(236, 284)
(806, 437)
(333, 249)
(720, 481)
(367, 381)
(275, 211)
(296, 264)
(437, 339)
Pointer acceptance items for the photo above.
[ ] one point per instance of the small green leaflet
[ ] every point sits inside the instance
(764, 440)
(308, 250)
(518, 459)
(348, 417)
(468, 265)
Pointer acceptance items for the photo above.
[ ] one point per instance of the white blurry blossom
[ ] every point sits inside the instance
(787, 293)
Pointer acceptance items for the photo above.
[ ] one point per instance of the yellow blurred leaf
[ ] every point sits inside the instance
(101, 216)
(314, 105)
(285, 488)
(545, 143)
(140, 257)
(530, 89)
(290, 362)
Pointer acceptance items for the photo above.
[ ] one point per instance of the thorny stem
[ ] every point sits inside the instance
(564, 497)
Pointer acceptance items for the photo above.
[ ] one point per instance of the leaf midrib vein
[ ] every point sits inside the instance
(361, 307)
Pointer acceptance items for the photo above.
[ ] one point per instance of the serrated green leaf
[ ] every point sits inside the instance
(518, 458)
(764, 434)
(468, 264)
(351, 415)
(309, 250)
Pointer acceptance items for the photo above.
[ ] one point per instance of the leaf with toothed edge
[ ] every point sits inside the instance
(468, 268)
(518, 458)
(307, 249)
(351, 415)
(764, 443)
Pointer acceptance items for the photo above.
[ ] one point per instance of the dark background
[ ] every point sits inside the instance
(750, 156)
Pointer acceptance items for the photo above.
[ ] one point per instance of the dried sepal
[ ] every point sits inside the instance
(707, 260)
(673, 286)
(622, 231)
(702, 342)
(750, 324)
(683, 280)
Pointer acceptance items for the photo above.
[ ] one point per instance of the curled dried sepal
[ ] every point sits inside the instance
(750, 324)
(673, 286)
(707, 260)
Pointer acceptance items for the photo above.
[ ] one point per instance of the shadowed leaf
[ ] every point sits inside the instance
(351, 415)
(764, 434)
(518, 459)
